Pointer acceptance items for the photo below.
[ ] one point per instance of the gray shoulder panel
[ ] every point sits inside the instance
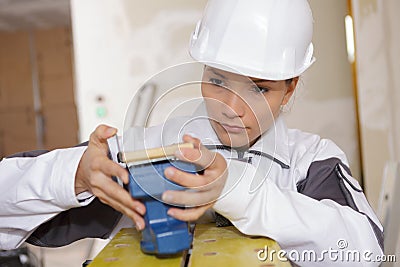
(322, 182)
(28, 154)
(36, 153)
(325, 180)
(94, 220)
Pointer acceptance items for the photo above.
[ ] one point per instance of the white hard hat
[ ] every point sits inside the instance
(266, 39)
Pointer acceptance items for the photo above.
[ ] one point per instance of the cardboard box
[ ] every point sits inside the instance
(53, 52)
(15, 39)
(16, 90)
(50, 64)
(19, 131)
(52, 39)
(16, 61)
(55, 66)
(15, 52)
(2, 91)
(57, 91)
(60, 126)
(1, 136)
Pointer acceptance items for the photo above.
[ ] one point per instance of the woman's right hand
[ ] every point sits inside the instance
(94, 175)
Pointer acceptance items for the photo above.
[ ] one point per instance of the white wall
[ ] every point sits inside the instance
(378, 74)
(119, 45)
(325, 103)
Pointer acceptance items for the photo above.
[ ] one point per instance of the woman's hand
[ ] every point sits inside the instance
(207, 186)
(94, 175)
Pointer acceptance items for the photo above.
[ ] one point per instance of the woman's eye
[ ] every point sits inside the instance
(260, 89)
(216, 81)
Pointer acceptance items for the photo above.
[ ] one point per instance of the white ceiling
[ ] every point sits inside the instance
(27, 14)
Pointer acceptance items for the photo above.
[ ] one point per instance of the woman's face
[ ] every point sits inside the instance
(240, 108)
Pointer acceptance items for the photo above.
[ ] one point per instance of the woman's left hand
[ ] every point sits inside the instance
(207, 187)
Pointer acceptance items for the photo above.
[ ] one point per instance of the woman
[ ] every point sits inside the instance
(266, 179)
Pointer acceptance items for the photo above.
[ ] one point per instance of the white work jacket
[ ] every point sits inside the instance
(291, 186)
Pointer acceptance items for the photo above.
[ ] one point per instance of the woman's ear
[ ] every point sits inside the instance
(290, 90)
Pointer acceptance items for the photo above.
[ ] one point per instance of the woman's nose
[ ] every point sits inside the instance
(234, 105)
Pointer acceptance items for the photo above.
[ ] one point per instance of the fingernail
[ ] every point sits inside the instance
(169, 171)
(139, 210)
(170, 212)
(167, 197)
(111, 131)
(138, 226)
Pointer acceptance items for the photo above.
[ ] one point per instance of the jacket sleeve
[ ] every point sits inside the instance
(326, 220)
(35, 187)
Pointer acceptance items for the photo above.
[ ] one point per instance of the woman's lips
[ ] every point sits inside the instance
(233, 128)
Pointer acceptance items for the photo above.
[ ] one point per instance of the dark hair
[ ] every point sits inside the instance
(289, 81)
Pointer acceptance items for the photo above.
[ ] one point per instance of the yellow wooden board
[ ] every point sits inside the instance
(124, 251)
(212, 246)
(226, 246)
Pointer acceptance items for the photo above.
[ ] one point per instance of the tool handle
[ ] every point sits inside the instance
(149, 154)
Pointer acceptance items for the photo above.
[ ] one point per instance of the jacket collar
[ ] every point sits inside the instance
(275, 143)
